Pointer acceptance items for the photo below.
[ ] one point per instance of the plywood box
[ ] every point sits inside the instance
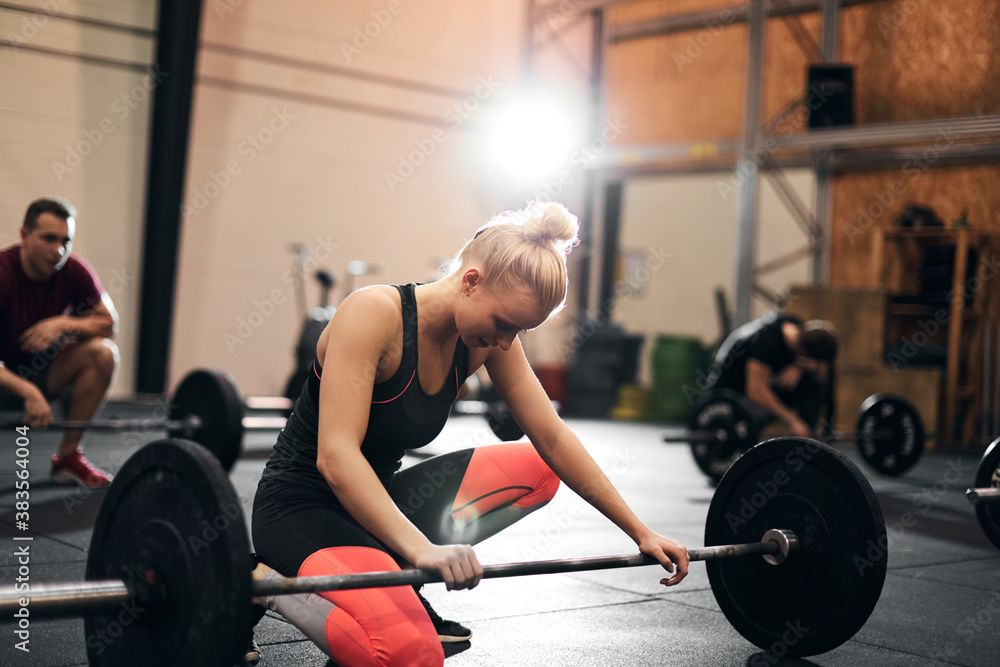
(853, 385)
(858, 315)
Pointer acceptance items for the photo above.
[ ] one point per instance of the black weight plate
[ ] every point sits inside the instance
(900, 447)
(819, 599)
(502, 423)
(722, 410)
(172, 511)
(988, 476)
(212, 396)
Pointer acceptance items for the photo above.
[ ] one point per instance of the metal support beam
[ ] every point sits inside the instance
(800, 212)
(785, 260)
(823, 159)
(592, 230)
(800, 33)
(822, 214)
(747, 167)
(873, 134)
(699, 20)
(176, 55)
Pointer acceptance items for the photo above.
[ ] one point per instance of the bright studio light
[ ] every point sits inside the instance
(532, 136)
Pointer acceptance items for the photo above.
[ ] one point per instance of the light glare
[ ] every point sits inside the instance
(532, 137)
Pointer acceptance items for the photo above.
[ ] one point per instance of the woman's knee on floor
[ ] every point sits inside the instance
(387, 627)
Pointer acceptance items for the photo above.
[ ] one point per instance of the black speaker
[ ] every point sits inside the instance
(830, 98)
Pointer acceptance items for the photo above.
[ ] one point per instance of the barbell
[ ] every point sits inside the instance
(795, 550)
(890, 433)
(986, 493)
(207, 407)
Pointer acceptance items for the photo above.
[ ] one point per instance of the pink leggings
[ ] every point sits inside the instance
(461, 497)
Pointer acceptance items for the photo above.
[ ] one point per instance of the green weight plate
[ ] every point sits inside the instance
(212, 396)
(890, 433)
(172, 521)
(821, 597)
(988, 475)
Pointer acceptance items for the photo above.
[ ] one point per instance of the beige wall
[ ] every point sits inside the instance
(684, 230)
(329, 123)
(318, 173)
(327, 137)
(79, 129)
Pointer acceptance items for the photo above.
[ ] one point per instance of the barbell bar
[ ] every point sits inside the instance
(169, 550)
(208, 408)
(889, 432)
(720, 435)
(86, 598)
(985, 493)
(189, 427)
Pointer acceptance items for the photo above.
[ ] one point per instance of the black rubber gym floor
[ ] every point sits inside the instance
(940, 603)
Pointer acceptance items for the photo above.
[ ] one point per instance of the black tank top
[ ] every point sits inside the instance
(403, 416)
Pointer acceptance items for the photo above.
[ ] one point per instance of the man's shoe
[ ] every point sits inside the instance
(448, 631)
(251, 656)
(76, 469)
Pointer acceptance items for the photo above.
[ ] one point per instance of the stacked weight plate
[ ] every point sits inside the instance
(675, 363)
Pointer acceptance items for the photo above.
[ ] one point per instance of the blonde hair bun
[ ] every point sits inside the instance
(526, 248)
(550, 222)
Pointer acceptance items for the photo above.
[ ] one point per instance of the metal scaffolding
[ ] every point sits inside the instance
(825, 151)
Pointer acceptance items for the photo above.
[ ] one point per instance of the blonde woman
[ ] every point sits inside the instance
(388, 367)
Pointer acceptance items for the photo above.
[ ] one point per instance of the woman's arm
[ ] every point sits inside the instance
(358, 337)
(565, 454)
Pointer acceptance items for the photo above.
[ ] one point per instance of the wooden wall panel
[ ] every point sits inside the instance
(920, 59)
(672, 89)
(914, 59)
(691, 86)
(642, 11)
(865, 200)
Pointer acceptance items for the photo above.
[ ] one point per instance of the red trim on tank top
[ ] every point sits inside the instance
(402, 392)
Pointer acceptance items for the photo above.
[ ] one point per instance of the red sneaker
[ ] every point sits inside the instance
(76, 469)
